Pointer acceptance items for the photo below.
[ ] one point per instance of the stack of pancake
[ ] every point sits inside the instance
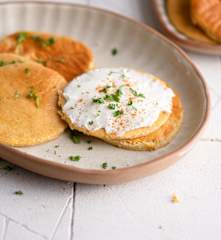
(197, 19)
(82, 112)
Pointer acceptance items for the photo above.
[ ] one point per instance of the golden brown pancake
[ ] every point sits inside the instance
(158, 138)
(63, 54)
(102, 134)
(179, 15)
(28, 102)
(207, 15)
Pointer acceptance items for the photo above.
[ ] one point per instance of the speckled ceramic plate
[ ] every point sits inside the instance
(179, 38)
(139, 47)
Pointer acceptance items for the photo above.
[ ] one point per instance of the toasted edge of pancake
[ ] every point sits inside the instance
(65, 55)
(158, 138)
(180, 16)
(28, 102)
(102, 134)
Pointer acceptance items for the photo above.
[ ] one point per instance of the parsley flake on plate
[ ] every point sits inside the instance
(18, 192)
(74, 158)
(32, 94)
(7, 168)
(104, 165)
(75, 138)
(114, 51)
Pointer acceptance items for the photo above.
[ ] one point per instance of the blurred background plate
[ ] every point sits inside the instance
(178, 37)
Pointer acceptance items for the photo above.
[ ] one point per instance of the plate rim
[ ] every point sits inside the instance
(8, 151)
(189, 44)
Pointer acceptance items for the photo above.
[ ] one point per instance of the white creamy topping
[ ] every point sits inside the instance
(116, 99)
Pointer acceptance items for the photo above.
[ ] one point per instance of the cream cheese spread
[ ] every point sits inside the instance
(116, 99)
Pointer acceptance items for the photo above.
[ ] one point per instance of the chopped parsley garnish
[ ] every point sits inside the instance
(141, 95)
(91, 122)
(17, 94)
(7, 168)
(111, 106)
(130, 102)
(135, 93)
(26, 70)
(50, 41)
(89, 141)
(114, 97)
(18, 193)
(90, 148)
(98, 100)
(78, 85)
(114, 51)
(3, 63)
(22, 36)
(56, 146)
(33, 95)
(74, 158)
(104, 165)
(113, 168)
(44, 42)
(104, 90)
(109, 97)
(119, 92)
(117, 113)
(75, 139)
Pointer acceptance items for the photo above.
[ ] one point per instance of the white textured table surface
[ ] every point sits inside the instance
(51, 209)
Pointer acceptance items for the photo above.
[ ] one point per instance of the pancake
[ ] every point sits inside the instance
(102, 134)
(158, 138)
(131, 124)
(68, 57)
(207, 15)
(179, 15)
(28, 102)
